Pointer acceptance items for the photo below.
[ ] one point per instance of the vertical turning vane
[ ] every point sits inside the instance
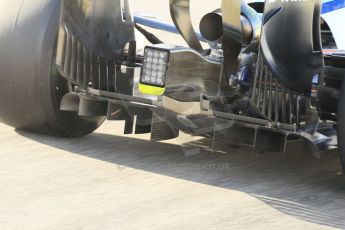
(232, 37)
(180, 14)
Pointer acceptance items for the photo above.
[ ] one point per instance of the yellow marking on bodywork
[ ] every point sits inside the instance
(152, 90)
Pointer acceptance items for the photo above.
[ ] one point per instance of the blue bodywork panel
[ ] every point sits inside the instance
(332, 5)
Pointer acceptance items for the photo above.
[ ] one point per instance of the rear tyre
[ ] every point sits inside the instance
(30, 87)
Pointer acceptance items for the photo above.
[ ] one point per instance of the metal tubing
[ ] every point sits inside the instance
(270, 97)
(260, 85)
(291, 109)
(276, 101)
(283, 93)
(265, 91)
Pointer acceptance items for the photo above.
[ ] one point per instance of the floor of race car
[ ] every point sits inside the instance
(111, 181)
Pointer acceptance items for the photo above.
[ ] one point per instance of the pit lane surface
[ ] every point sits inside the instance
(111, 181)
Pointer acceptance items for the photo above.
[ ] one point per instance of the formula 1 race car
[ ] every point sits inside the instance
(258, 73)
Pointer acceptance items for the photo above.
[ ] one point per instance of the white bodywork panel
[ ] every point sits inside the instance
(335, 21)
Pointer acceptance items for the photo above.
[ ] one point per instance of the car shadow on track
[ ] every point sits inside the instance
(294, 183)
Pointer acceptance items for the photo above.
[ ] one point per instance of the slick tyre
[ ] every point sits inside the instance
(30, 87)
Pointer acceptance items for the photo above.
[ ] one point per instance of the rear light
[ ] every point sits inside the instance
(154, 67)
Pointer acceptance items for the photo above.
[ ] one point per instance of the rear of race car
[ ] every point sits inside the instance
(257, 82)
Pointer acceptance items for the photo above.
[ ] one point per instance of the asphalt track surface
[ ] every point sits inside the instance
(110, 181)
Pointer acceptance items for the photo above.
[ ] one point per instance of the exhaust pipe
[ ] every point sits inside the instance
(211, 27)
